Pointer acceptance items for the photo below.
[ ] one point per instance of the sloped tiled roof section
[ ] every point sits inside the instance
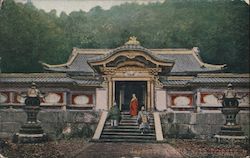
(77, 62)
(210, 79)
(45, 78)
(185, 60)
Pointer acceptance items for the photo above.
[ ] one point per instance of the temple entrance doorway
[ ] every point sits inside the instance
(124, 91)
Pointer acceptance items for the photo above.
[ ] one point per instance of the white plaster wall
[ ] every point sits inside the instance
(101, 99)
(160, 99)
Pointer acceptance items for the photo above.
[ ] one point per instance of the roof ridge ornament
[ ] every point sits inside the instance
(132, 41)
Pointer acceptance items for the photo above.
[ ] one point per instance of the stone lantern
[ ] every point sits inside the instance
(231, 130)
(31, 131)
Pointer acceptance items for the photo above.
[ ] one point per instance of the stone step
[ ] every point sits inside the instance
(125, 130)
(129, 116)
(31, 130)
(150, 114)
(231, 133)
(132, 120)
(128, 124)
(128, 137)
(31, 125)
(128, 133)
(125, 112)
(135, 120)
(125, 127)
(133, 124)
(124, 140)
(234, 128)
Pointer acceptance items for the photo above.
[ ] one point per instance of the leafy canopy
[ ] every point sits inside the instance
(219, 28)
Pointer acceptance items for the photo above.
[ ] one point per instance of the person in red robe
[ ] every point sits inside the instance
(133, 106)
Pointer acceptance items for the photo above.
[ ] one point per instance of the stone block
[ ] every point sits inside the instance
(52, 121)
(183, 118)
(10, 127)
(210, 118)
(215, 129)
(179, 118)
(52, 129)
(246, 130)
(202, 124)
(178, 131)
(51, 116)
(6, 135)
(243, 118)
(183, 129)
(12, 115)
(199, 129)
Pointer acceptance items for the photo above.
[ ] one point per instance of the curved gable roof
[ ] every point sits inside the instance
(130, 48)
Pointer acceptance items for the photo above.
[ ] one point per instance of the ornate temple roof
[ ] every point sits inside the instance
(184, 60)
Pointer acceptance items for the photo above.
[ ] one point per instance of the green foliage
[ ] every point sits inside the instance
(27, 36)
(219, 28)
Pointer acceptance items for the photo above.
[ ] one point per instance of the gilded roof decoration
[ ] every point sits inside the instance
(132, 41)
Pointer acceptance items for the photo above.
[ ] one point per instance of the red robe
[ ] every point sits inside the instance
(133, 107)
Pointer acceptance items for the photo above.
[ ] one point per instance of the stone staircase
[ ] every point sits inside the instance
(127, 131)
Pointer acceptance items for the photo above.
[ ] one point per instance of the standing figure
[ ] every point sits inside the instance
(143, 120)
(133, 106)
(114, 115)
(230, 97)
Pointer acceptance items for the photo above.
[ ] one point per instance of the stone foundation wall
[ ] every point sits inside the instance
(198, 125)
(174, 124)
(52, 121)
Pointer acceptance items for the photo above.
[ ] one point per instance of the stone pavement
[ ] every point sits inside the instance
(128, 150)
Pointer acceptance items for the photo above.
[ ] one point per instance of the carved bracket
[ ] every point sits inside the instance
(158, 83)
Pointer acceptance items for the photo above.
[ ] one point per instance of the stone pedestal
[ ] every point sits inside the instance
(31, 131)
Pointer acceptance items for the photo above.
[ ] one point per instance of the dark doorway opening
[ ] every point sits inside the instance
(124, 91)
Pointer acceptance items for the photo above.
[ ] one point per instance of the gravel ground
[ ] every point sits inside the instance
(129, 150)
(55, 149)
(79, 147)
(209, 149)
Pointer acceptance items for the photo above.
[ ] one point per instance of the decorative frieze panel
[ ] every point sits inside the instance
(182, 100)
(5, 97)
(49, 98)
(215, 98)
(53, 98)
(82, 99)
(244, 99)
(210, 99)
(18, 98)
